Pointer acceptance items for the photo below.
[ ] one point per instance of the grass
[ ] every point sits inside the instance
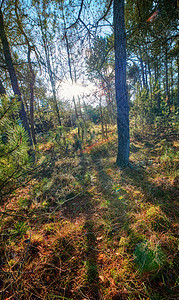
(83, 229)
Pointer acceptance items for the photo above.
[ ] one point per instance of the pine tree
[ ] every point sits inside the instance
(14, 158)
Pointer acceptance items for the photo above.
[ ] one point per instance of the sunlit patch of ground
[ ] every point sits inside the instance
(83, 229)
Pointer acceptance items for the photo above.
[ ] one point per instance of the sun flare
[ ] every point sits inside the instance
(68, 90)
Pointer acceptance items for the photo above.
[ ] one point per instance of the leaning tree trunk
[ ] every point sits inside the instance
(32, 75)
(13, 77)
(32, 83)
(120, 84)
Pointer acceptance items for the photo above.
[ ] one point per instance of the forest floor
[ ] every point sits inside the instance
(81, 228)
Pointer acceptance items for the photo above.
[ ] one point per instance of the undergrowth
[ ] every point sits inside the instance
(83, 229)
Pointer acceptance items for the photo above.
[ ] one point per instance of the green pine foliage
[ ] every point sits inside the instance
(14, 158)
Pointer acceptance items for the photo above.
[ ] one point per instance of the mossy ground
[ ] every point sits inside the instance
(81, 228)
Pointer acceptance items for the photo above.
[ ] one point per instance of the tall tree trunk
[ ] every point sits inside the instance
(120, 84)
(150, 75)
(32, 82)
(80, 111)
(171, 84)
(142, 67)
(166, 77)
(32, 75)
(49, 67)
(75, 107)
(157, 81)
(13, 77)
(178, 87)
(146, 79)
(101, 117)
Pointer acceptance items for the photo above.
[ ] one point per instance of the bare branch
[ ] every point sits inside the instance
(105, 14)
(78, 19)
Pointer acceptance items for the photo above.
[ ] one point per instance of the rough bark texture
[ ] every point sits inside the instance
(13, 77)
(120, 84)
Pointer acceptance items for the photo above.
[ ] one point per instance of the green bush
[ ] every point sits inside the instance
(14, 158)
(169, 160)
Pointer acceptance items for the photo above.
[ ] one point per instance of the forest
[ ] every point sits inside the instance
(89, 150)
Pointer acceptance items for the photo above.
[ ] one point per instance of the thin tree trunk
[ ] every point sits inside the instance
(171, 86)
(166, 78)
(150, 75)
(80, 110)
(146, 79)
(101, 117)
(32, 82)
(49, 67)
(13, 77)
(178, 87)
(51, 80)
(142, 67)
(120, 84)
(157, 80)
(32, 75)
(76, 111)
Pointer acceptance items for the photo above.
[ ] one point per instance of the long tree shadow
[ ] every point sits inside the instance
(157, 194)
(84, 206)
(105, 181)
(136, 176)
(106, 185)
(91, 288)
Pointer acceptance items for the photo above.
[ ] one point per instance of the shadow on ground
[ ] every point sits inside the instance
(162, 194)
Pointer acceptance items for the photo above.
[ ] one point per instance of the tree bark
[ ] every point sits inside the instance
(32, 75)
(142, 67)
(80, 111)
(13, 77)
(166, 77)
(178, 87)
(75, 107)
(120, 84)
(171, 83)
(157, 81)
(51, 78)
(101, 117)
(32, 82)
